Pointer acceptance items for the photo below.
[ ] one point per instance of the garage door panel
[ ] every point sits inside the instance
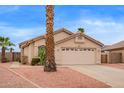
(78, 56)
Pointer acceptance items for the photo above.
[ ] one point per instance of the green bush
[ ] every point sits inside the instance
(35, 61)
(24, 60)
(41, 55)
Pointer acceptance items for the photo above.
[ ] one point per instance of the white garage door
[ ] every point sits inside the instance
(78, 55)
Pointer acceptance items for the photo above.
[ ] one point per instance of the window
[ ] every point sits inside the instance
(72, 49)
(88, 49)
(92, 49)
(67, 49)
(63, 49)
(81, 49)
(76, 49)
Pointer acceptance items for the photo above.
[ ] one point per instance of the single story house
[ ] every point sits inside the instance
(114, 52)
(70, 48)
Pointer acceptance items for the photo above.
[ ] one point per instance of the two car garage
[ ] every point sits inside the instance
(78, 49)
(78, 56)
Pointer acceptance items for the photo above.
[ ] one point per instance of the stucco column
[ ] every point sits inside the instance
(123, 56)
(30, 52)
(98, 56)
(22, 54)
(58, 55)
(108, 57)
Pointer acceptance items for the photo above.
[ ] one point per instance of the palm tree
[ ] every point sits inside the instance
(4, 43)
(81, 30)
(50, 65)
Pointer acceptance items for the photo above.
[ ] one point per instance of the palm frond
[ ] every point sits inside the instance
(11, 44)
(5, 42)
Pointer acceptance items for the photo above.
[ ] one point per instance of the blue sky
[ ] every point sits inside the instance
(104, 23)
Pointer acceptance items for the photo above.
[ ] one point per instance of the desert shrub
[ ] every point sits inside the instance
(35, 61)
(41, 55)
(24, 60)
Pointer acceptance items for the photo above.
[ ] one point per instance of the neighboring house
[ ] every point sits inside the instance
(115, 52)
(70, 48)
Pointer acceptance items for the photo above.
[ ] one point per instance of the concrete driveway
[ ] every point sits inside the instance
(111, 76)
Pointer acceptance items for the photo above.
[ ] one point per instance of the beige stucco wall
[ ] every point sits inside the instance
(25, 52)
(26, 49)
(71, 43)
(119, 51)
(41, 42)
(36, 45)
(60, 36)
(22, 53)
(32, 50)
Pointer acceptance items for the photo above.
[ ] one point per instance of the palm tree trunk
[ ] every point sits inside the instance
(11, 55)
(50, 65)
(3, 55)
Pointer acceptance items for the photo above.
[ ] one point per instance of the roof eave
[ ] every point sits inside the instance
(74, 35)
(113, 49)
(42, 36)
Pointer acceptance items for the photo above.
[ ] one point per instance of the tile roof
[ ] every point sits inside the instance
(114, 46)
(43, 36)
(77, 34)
(72, 35)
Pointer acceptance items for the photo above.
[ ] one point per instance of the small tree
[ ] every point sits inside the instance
(4, 43)
(41, 54)
(81, 30)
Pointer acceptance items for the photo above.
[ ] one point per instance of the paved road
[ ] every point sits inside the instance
(111, 76)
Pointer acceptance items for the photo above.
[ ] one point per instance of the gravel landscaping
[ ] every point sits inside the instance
(10, 80)
(63, 78)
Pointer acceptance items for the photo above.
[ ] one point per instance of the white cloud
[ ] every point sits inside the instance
(99, 23)
(18, 35)
(105, 30)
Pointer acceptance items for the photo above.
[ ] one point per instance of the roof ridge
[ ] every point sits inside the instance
(118, 42)
(117, 45)
(73, 35)
(42, 36)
